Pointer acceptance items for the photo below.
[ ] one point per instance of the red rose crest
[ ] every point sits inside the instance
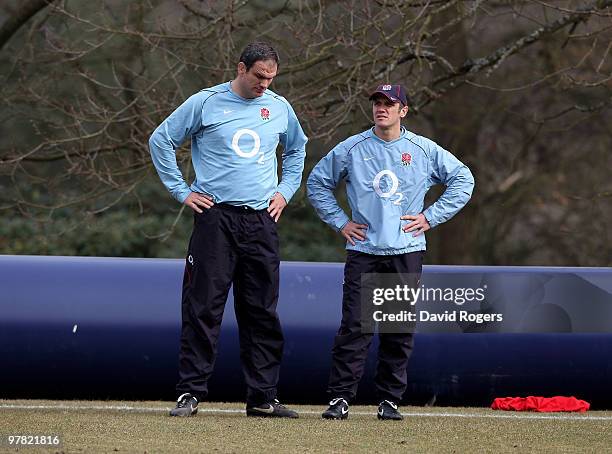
(265, 113)
(406, 159)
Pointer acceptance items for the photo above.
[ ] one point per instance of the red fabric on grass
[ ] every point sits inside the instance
(541, 404)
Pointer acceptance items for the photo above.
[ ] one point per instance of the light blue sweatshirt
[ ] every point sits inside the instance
(386, 180)
(233, 147)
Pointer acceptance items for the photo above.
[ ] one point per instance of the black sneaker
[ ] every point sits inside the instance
(186, 405)
(272, 409)
(338, 409)
(388, 410)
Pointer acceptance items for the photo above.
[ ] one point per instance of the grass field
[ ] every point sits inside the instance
(133, 427)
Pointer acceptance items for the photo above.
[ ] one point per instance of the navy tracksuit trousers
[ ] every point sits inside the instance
(228, 245)
(351, 344)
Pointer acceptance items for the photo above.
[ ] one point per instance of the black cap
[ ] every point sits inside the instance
(395, 93)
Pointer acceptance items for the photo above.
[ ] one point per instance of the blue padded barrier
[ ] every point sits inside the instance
(97, 328)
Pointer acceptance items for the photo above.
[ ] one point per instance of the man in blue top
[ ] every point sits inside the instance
(388, 171)
(236, 197)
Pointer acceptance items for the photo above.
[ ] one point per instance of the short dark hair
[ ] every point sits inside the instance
(258, 51)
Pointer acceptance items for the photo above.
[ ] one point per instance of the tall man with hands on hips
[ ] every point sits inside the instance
(237, 200)
(388, 170)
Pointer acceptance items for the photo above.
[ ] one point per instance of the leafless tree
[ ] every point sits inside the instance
(520, 90)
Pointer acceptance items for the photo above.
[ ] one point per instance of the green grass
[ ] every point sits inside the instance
(147, 428)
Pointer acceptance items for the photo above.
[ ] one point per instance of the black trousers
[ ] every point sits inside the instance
(351, 345)
(240, 246)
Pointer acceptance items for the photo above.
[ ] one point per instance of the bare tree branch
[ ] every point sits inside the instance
(24, 12)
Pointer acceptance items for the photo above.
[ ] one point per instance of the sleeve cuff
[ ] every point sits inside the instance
(183, 194)
(285, 193)
(339, 225)
(430, 219)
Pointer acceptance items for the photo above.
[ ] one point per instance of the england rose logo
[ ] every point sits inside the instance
(406, 158)
(265, 114)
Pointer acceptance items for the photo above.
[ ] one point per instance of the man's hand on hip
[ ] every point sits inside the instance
(195, 200)
(353, 231)
(418, 225)
(277, 205)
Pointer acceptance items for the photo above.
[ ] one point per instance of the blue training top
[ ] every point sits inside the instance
(385, 180)
(233, 147)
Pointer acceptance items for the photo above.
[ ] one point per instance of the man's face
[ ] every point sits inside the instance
(387, 113)
(258, 78)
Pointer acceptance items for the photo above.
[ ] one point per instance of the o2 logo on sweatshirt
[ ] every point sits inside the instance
(389, 190)
(253, 151)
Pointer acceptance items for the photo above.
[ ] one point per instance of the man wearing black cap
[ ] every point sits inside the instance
(388, 171)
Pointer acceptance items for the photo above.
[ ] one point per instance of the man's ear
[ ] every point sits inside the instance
(242, 69)
(404, 111)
